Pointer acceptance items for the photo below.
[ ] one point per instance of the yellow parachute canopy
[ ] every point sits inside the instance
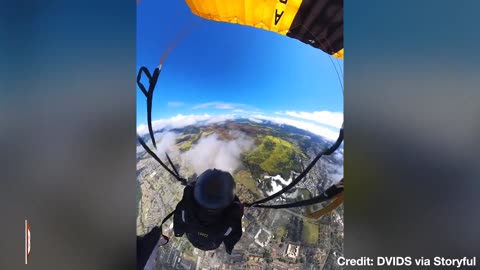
(315, 22)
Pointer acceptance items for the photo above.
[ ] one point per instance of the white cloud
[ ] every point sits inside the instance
(174, 104)
(255, 120)
(181, 121)
(165, 143)
(332, 119)
(218, 105)
(211, 152)
(178, 121)
(220, 118)
(314, 128)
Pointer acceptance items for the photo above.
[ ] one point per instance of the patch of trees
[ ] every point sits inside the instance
(267, 256)
(295, 229)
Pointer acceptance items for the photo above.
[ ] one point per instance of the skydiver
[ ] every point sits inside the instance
(209, 214)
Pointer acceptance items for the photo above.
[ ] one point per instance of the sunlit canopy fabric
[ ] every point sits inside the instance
(318, 23)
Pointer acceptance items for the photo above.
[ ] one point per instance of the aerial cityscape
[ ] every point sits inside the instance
(263, 157)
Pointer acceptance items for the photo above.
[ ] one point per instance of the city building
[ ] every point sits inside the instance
(292, 252)
(262, 238)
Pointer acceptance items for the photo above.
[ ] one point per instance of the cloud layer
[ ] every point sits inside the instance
(327, 133)
(332, 119)
(181, 121)
(165, 143)
(211, 152)
(316, 127)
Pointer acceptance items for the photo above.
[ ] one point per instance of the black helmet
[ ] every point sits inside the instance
(214, 189)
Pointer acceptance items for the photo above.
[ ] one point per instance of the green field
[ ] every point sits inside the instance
(244, 178)
(186, 141)
(310, 232)
(186, 146)
(280, 233)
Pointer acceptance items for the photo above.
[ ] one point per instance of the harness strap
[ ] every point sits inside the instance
(228, 231)
(152, 81)
(163, 221)
(175, 174)
(330, 193)
(327, 209)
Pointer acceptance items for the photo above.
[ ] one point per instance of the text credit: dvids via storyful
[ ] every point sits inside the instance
(408, 261)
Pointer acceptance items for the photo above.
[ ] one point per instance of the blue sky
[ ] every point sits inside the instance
(222, 68)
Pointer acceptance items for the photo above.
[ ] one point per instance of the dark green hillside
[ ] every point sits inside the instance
(273, 156)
